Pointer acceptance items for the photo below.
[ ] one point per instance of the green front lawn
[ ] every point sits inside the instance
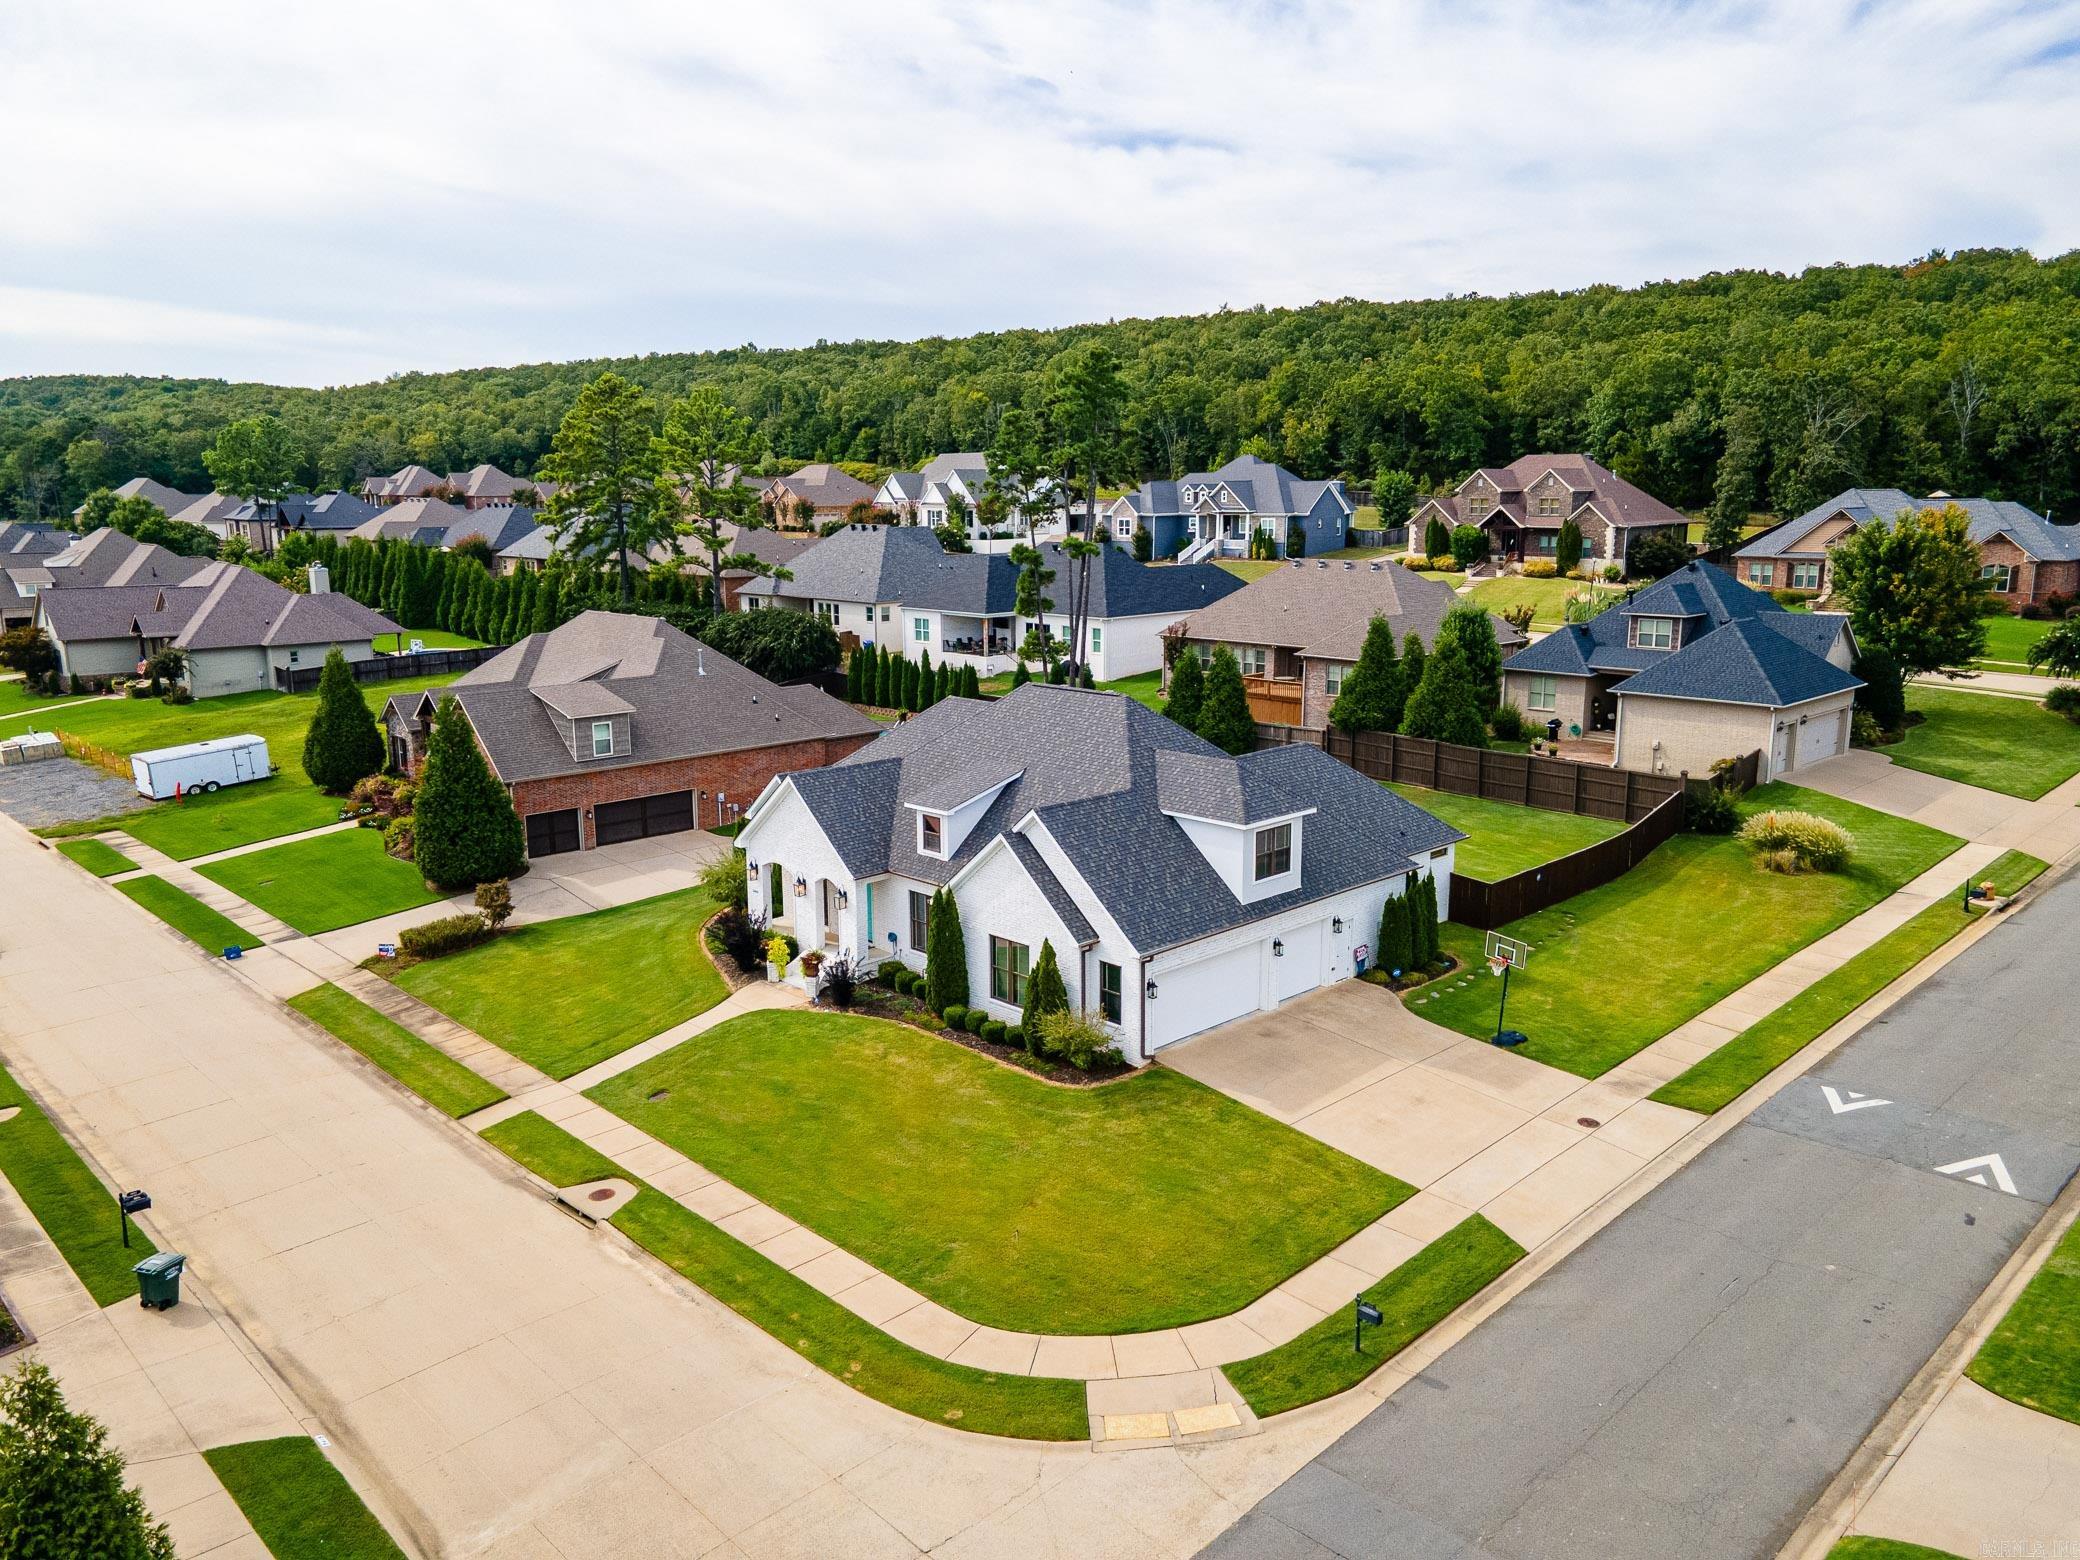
(236, 815)
(76, 1211)
(324, 883)
(1247, 569)
(427, 1071)
(1722, 1077)
(1864, 1547)
(2033, 1356)
(1616, 968)
(302, 1507)
(2008, 641)
(990, 1190)
(565, 994)
(1146, 688)
(1504, 839)
(1034, 1408)
(430, 638)
(2005, 744)
(186, 914)
(1546, 598)
(1412, 1299)
(99, 858)
(16, 699)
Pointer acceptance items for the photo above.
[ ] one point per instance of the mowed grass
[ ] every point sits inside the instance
(239, 814)
(846, 1346)
(1546, 598)
(565, 994)
(1412, 1299)
(17, 698)
(186, 914)
(2011, 745)
(97, 856)
(2033, 1356)
(2008, 642)
(1504, 839)
(1864, 1546)
(1247, 569)
(76, 1211)
(302, 1507)
(1750, 1056)
(431, 638)
(1144, 688)
(1616, 968)
(1148, 1203)
(428, 1072)
(321, 884)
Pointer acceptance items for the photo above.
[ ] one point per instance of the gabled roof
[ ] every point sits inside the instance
(211, 511)
(1263, 487)
(905, 484)
(23, 541)
(336, 511)
(223, 606)
(167, 500)
(1739, 646)
(108, 557)
(485, 481)
(1322, 607)
(406, 482)
(683, 698)
(961, 463)
(1086, 768)
(1588, 481)
(431, 522)
(824, 485)
(1988, 518)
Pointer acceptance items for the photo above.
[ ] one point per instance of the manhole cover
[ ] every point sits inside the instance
(1581, 1121)
(604, 1194)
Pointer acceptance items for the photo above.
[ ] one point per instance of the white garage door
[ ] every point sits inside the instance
(1197, 996)
(1299, 967)
(1821, 737)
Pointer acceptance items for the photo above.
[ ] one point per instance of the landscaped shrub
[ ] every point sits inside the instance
(1224, 717)
(890, 969)
(1391, 948)
(467, 832)
(724, 881)
(1080, 1039)
(1014, 1035)
(384, 795)
(946, 954)
(1710, 810)
(2064, 700)
(1440, 563)
(1507, 723)
(397, 837)
(956, 1017)
(1864, 730)
(1883, 695)
(1045, 990)
(1815, 844)
(1541, 569)
(992, 1030)
(1469, 545)
(495, 902)
(840, 983)
(1187, 689)
(450, 934)
(743, 938)
(342, 745)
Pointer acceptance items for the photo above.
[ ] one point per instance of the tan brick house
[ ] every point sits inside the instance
(2023, 557)
(617, 727)
(1298, 630)
(827, 490)
(1523, 505)
(1694, 668)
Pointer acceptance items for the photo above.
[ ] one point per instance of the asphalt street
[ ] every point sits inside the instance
(1690, 1380)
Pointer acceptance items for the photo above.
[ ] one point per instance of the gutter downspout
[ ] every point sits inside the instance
(1142, 997)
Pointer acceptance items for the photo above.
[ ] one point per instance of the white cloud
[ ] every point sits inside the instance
(316, 193)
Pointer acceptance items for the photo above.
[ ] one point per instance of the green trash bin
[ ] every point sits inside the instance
(159, 1280)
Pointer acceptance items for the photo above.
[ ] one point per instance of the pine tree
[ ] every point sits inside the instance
(946, 955)
(1473, 630)
(1187, 689)
(464, 829)
(1224, 717)
(1045, 991)
(342, 745)
(1395, 952)
(61, 1484)
(1446, 705)
(1372, 694)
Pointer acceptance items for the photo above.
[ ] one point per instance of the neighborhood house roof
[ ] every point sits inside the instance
(430, 522)
(683, 698)
(1988, 517)
(108, 557)
(337, 511)
(168, 500)
(825, 486)
(1738, 645)
(223, 606)
(1089, 767)
(1322, 607)
(1617, 500)
(1259, 486)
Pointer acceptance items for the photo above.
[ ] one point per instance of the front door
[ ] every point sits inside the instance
(830, 913)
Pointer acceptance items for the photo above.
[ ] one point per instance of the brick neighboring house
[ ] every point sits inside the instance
(1693, 668)
(480, 487)
(618, 727)
(2022, 556)
(776, 549)
(26, 547)
(1523, 505)
(829, 492)
(1298, 630)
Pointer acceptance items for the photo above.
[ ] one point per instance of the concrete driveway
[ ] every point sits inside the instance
(1479, 1130)
(2048, 827)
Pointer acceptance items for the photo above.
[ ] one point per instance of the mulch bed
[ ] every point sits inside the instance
(1446, 965)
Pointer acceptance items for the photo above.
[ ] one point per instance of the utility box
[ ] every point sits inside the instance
(165, 773)
(159, 1280)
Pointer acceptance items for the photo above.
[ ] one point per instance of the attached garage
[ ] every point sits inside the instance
(1209, 991)
(1823, 734)
(1296, 963)
(552, 833)
(669, 812)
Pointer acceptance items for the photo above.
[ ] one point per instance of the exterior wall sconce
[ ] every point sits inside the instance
(801, 887)
(750, 867)
(1336, 924)
(1151, 989)
(844, 900)
(1278, 948)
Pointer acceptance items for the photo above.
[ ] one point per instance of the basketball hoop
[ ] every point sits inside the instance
(1497, 963)
(1505, 954)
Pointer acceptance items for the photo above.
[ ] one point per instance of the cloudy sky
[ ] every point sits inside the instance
(326, 193)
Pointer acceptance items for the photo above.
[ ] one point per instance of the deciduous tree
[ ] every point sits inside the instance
(1912, 588)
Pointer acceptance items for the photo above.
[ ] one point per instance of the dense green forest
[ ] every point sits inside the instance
(1746, 391)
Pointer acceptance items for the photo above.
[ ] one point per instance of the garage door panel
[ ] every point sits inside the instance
(1820, 737)
(1298, 967)
(668, 812)
(552, 833)
(1198, 996)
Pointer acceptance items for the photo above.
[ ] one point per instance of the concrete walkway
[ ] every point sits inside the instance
(154, 862)
(515, 1385)
(2028, 685)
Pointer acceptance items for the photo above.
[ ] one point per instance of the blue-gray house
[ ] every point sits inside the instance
(1213, 514)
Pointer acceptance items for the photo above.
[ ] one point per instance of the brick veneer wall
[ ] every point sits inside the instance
(740, 775)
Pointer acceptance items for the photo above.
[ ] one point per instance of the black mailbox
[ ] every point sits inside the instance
(1367, 1316)
(128, 1203)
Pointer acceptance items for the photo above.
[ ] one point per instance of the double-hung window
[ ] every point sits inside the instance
(1274, 851)
(1333, 675)
(1805, 576)
(1544, 694)
(931, 834)
(921, 630)
(828, 611)
(1097, 639)
(920, 911)
(1998, 576)
(1108, 991)
(1759, 573)
(602, 739)
(1007, 971)
(1252, 658)
(1654, 633)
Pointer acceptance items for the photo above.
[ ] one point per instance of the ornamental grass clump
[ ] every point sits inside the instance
(1788, 841)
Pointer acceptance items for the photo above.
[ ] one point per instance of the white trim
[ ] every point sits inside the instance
(1746, 704)
(1227, 823)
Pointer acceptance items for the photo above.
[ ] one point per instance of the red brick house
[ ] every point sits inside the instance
(617, 727)
(1523, 505)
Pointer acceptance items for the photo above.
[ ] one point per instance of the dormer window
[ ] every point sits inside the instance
(1274, 851)
(931, 834)
(1654, 633)
(602, 739)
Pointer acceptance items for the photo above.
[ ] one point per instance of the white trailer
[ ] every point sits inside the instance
(165, 773)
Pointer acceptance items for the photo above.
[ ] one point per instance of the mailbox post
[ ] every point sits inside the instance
(1367, 1316)
(128, 1203)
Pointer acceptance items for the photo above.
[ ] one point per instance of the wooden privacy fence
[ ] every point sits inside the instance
(1489, 905)
(388, 668)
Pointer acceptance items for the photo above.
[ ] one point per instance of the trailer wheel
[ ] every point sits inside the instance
(209, 787)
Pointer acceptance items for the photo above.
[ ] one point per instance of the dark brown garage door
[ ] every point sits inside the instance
(551, 833)
(668, 813)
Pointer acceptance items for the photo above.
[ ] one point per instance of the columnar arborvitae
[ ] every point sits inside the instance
(1372, 695)
(946, 955)
(923, 697)
(1224, 717)
(1395, 951)
(1020, 676)
(545, 597)
(1187, 689)
(1446, 705)
(1473, 631)
(342, 744)
(1045, 991)
(1422, 923)
(464, 829)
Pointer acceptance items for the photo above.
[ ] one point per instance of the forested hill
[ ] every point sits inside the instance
(1768, 391)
